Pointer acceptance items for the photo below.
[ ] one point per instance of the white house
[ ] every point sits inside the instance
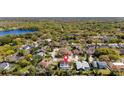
(79, 65)
(4, 66)
(85, 65)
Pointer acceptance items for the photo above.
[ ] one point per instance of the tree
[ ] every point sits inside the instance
(34, 37)
(113, 57)
(107, 53)
(5, 40)
(9, 52)
(114, 40)
(21, 52)
(29, 56)
(18, 41)
(24, 62)
(104, 58)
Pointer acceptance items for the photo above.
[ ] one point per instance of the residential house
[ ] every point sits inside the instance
(116, 66)
(99, 65)
(121, 45)
(40, 52)
(122, 52)
(70, 58)
(26, 47)
(94, 64)
(64, 51)
(53, 54)
(64, 65)
(49, 40)
(4, 66)
(45, 63)
(122, 60)
(35, 44)
(13, 58)
(90, 59)
(76, 58)
(77, 50)
(91, 50)
(102, 65)
(113, 45)
(82, 65)
(85, 65)
(79, 65)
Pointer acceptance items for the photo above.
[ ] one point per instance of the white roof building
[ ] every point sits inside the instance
(85, 65)
(4, 65)
(79, 65)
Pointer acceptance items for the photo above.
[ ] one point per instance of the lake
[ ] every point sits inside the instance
(15, 32)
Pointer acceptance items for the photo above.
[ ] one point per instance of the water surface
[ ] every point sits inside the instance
(15, 32)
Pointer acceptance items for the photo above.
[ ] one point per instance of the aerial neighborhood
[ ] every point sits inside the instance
(61, 47)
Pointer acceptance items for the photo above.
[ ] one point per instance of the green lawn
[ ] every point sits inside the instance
(104, 71)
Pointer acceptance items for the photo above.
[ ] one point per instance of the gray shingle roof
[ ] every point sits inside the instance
(100, 65)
